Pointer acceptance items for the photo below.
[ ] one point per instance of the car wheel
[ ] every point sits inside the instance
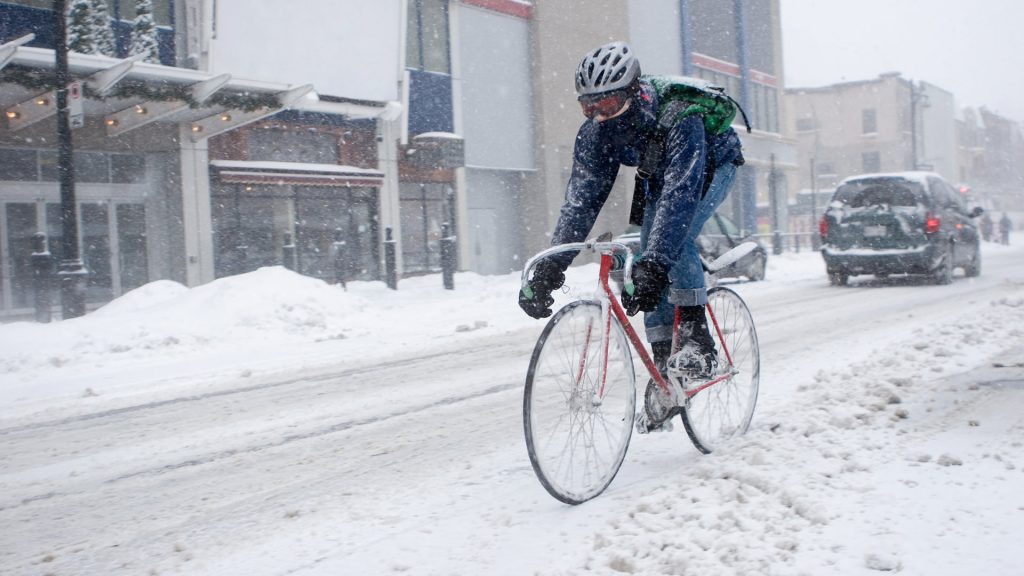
(974, 268)
(755, 272)
(838, 278)
(943, 273)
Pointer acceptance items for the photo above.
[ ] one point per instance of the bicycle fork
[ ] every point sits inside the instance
(579, 386)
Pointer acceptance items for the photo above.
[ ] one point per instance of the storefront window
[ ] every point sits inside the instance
(91, 167)
(131, 242)
(18, 165)
(21, 226)
(425, 209)
(337, 233)
(48, 166)
(126, 169)
(95, 252)
(251, 224)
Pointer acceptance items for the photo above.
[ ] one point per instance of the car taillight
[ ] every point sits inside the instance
(931, 224)
(823, 227)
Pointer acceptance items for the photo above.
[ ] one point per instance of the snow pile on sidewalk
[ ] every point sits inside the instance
(166, 317)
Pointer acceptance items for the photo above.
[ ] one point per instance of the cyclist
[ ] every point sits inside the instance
(621, 108)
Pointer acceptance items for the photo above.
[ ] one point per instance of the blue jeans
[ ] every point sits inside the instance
(687, 275)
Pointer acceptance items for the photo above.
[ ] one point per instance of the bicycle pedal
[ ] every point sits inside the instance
(645, 425)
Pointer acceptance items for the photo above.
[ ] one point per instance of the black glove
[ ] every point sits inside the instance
(547, 277)
(649, 280)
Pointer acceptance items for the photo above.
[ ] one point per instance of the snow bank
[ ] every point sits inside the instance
(783, 499)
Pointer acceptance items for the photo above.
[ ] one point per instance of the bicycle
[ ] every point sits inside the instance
(579, 405)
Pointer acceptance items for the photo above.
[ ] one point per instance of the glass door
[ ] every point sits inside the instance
(425, 209)
(22, 224)
(131, 243)
(95, 251)
(329, 220)
(321, 229)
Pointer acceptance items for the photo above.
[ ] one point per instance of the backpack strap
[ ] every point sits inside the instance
(651, 158)
(742, 112)
(653, 154)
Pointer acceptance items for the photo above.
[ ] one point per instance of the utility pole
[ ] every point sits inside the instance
(815, 238)
(774, 205)
(71, 271)
(918, 100)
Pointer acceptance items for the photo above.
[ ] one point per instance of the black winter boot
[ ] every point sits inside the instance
(696, 356)
(660, 352)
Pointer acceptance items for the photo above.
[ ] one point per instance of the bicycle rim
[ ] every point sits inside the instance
(576, 435)
(724, 410)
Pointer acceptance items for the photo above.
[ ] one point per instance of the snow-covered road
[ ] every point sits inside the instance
(888, 436)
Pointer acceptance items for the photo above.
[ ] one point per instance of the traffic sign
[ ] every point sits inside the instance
(75, 111)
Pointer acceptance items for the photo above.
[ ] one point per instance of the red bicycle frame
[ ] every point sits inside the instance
(616, 308)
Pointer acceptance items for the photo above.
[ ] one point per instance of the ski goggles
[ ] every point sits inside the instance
(603, 105)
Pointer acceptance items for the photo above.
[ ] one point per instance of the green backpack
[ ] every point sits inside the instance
(680, 97)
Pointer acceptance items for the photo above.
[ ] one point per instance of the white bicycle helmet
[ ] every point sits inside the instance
(608, 68)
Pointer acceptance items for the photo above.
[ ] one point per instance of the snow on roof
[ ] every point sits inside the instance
(918, 176)
(437, 136)
(274, 166)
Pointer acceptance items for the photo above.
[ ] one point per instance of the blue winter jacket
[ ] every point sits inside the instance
(601, 147)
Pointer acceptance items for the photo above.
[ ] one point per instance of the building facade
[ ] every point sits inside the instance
(991, 150)
(180, 173)
(887, 124)
(347, 130)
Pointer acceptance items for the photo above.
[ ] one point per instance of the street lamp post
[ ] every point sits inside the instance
(71, 271)
(815, 238)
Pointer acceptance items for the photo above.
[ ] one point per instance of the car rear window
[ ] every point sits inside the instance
(863, 193)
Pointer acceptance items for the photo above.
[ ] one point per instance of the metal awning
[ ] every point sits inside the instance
(278, 173)
(128, 94)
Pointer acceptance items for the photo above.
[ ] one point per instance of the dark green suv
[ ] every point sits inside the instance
(900, 223)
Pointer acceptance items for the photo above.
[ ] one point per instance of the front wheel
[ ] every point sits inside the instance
(724, 410)
(579, 403)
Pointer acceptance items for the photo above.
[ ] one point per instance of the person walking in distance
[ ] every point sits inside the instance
(1005, 225)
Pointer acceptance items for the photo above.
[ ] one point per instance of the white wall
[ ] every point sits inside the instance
(345, 48)
(654, 31)
(495, 79)
(939, 127)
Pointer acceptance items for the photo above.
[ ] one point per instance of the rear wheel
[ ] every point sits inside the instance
(943, 273)
(724, 410)
(973, 269)
(578, 408)
(838, 277)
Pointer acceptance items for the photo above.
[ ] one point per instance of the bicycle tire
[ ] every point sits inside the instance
(724, 410)
(577, 443)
